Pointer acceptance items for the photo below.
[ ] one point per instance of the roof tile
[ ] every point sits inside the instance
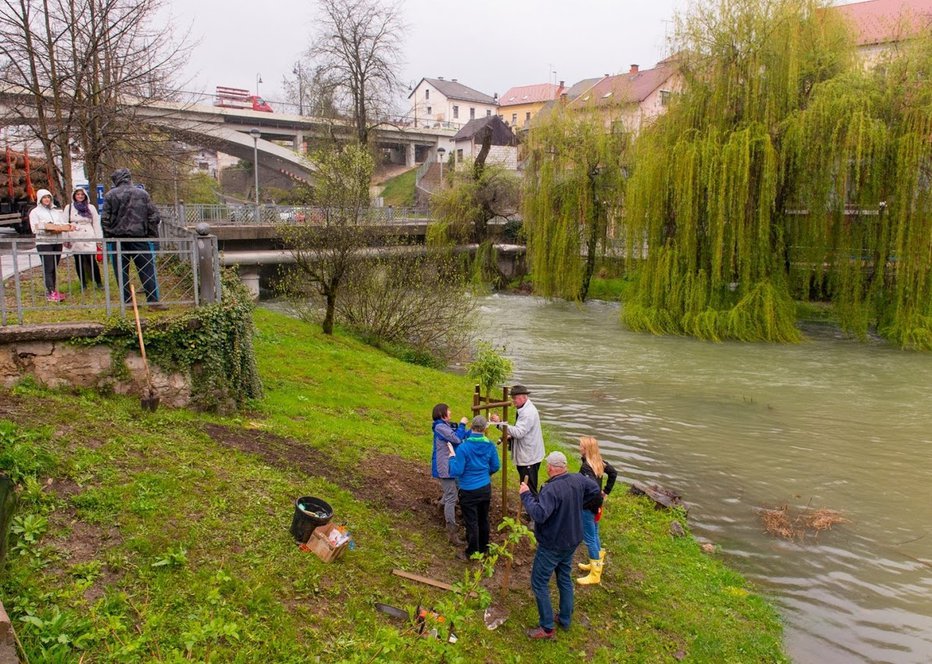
(881, 21)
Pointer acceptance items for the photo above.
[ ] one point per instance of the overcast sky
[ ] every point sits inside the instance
(491, 46)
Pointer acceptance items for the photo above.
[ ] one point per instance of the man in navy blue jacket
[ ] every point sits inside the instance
(556, 512)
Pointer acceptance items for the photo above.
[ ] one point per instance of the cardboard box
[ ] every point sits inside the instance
(321, 543)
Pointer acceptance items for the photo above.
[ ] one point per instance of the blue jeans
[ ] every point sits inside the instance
(546, 561)
(139, 253)
(590, 534)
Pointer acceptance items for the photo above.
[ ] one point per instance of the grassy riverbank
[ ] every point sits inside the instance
(163, 537)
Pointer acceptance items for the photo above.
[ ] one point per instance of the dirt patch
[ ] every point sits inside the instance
(385, 481)
(78, 540)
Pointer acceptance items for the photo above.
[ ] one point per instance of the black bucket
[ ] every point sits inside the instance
(309, 513)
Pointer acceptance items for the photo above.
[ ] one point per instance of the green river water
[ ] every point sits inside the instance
(737, 427)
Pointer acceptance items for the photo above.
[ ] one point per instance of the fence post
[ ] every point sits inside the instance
(205, 245)
(182, 215)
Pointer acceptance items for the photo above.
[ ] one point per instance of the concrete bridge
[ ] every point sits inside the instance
(228, 130)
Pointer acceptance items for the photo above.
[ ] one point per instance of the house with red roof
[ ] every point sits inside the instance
(522, 102)
(879, 25)
(631, 100)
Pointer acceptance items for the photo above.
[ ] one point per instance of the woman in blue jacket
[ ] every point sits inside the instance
(473, 464)
(446, 438)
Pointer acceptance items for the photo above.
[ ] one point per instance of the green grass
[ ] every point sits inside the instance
(399, 190)
(141, 537)
(610, 288)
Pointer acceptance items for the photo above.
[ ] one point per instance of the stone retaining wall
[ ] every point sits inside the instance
(44, 353)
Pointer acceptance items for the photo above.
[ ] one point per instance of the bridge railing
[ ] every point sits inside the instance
(185, 268)
(241, 214)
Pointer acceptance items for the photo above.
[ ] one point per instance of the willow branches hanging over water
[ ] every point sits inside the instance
(786, 170)
(574, 167)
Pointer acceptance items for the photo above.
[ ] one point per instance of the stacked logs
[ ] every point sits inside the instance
(21, 176)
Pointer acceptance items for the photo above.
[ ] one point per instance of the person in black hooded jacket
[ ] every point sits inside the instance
(128, 212)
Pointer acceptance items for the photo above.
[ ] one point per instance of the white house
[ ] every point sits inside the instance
(439, 101)
(502, 144)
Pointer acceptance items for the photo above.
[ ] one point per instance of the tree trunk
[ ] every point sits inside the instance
(328, 317)
(591, 239)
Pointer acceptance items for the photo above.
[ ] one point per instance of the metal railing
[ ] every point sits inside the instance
(192, 214)
(179, 268)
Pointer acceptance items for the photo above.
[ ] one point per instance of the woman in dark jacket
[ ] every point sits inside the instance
(444, 433)
(595, 467)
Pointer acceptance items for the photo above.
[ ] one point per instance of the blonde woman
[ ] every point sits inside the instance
(595, 467)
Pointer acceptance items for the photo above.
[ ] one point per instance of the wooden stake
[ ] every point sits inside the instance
(505, 437)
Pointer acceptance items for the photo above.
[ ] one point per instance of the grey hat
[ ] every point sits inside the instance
(519, 389)
(556, 459)
(479, 423)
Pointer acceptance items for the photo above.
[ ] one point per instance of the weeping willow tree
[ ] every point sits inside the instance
(861, 162)
(574, 171)
(785, 170)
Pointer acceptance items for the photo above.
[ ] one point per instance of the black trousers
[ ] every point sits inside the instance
(88, 270)
(49, 254)
(531, 473)
(474, 504)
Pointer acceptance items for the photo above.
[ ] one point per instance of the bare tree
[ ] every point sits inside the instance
(324, 252)
(356, 53)
(308, 90)
(75, 71)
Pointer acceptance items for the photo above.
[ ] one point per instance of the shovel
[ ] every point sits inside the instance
(150, 401)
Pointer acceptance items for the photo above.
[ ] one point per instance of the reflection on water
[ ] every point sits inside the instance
(734, 427)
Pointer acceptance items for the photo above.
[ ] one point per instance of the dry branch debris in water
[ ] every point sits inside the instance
(780, 521)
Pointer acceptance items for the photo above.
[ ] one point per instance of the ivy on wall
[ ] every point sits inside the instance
(213, 344)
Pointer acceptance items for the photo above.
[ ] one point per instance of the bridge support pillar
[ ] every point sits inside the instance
(249, 275)
(409, 155)
(298, 144)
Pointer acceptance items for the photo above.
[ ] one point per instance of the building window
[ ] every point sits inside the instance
(472, 113)
(664, 97)
(514, 118)
(488, 113)
(429, 109)
(459, 154)
(456, 112)
(427, 93)
(527, 117)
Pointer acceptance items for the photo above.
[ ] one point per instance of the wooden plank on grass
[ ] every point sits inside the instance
(422, 579)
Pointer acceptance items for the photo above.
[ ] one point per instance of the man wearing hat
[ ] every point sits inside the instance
(528, 450)
(556, 513)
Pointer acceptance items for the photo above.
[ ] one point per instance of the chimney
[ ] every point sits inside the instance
(440, 78)
(453, 79)
(562, 84)
(633, 70)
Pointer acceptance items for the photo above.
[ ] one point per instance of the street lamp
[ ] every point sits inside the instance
(296, 70)
(255, 133)
(440, 153)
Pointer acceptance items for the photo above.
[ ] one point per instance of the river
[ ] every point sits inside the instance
(735, 427)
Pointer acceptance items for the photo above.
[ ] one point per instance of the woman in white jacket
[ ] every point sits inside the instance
(85, 238)
(42, 220)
